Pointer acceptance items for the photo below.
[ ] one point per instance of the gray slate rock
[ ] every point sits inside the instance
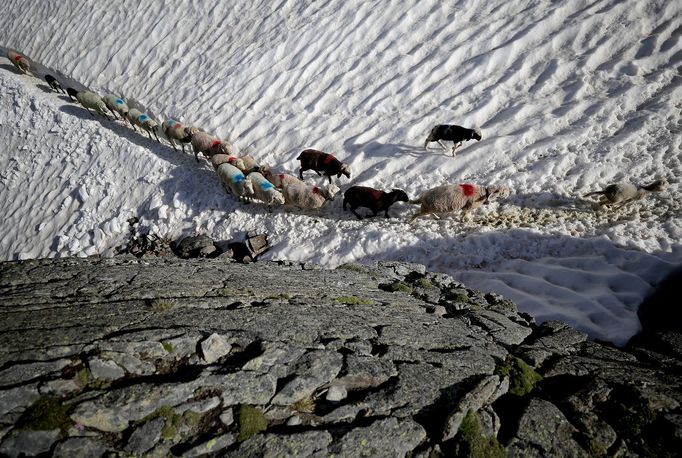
(384, 438)
(545, 431)
(145, 437)
(28, 442)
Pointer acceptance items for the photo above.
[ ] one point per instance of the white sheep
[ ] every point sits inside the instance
(175, 130)
(91, 100)
(218, 159)
(201, 141)
(619, 194)
(265, 191)
(20, 62)
(449, 198)
(280, 180)
(233, 179)
(117, 105)
(308, 197)
(250, 165)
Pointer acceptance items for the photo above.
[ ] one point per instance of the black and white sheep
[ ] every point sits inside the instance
(621, 193)
(54, 84)
(374, 199)
(233, 179)
(90, 100)
(117, 105)
(454, 134)
(318, 161)
(265, 191)
(308, 197)
(19, 61)
(450, 198)
(143, 121)
(175, 130)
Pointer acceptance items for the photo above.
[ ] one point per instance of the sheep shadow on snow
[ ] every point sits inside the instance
(11, 68)
(182, 185)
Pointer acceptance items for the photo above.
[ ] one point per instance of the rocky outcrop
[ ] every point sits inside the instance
(163, 356)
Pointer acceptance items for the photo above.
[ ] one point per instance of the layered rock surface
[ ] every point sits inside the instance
(160, 357)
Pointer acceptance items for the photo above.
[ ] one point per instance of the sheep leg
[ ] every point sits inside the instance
(454, 147)
(173, 145)
(300, 173)
(157, 137)
(441, 144)
(355, 213)
(150, 134)
(90, 112)
(113, 113)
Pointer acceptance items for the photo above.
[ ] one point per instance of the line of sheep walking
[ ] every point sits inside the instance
(244, 178)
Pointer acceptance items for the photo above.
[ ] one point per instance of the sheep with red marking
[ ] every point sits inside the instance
(318, 161)
(20, 62)
(218, 159)
(308, 197)
(201, 141)
(280, 180)
(374, 199)
(221, 147)
(176, 131)
(450, 198)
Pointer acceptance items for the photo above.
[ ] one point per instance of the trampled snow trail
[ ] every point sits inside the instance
(570, 96)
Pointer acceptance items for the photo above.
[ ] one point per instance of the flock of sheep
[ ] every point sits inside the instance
(246, 179)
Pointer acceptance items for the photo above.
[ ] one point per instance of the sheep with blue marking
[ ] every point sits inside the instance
(117, 105)
(143, 121)
(234, 180)
(265, 191)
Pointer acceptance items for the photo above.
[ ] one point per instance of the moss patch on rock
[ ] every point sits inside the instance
(396, 286)
(522, 377)
(251, 421)
(353, 300)
(46, 414)
(471, 442)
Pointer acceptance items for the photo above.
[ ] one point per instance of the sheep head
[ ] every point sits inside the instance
(329, 191)
(345, 170)
(476, 134)
(398, 195)
(248, 187)
(498, 191)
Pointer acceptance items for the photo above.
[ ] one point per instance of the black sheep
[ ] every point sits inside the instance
(374, 199)
(455, 134)
(72, 94)
(318, 161)
(54, 84)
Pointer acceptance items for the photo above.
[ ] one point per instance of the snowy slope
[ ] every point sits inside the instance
(570, 96)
